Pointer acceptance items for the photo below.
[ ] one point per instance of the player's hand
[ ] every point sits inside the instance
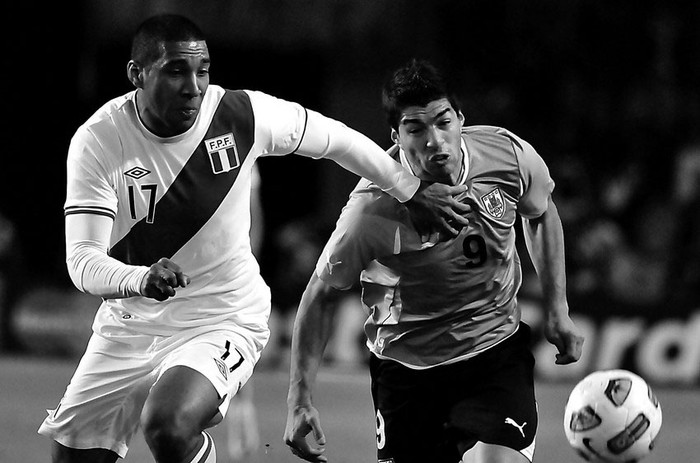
(434, 208)
(300, 422)
(566, 337)
(162, 279)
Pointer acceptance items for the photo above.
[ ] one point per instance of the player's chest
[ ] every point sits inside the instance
(495, 201)
(185, 177)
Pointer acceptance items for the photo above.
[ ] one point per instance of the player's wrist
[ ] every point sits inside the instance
(406, 188)
(298, 400)
(137, 283)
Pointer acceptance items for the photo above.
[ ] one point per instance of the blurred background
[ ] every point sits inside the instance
(606, 91)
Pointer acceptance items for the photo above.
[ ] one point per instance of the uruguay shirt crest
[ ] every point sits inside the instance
(493, 203)
(440, 301)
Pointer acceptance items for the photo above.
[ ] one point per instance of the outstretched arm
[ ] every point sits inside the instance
(432, 206)
(544, 237)
(312, 328)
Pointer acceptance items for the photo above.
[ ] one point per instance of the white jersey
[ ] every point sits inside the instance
(186, 198)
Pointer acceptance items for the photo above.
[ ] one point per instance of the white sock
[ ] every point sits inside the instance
(206, 454)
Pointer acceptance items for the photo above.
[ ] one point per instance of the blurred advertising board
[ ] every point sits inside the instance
(661, 344)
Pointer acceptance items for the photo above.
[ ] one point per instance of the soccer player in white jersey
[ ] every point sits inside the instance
(451, 368)
(157, 222)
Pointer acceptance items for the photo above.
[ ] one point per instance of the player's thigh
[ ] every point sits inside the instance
(501, 409)
(409, 425)
(102, 403)
(199, 378)
(489, 453)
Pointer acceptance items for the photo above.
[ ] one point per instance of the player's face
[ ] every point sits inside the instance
(173, 87)
(431, 138)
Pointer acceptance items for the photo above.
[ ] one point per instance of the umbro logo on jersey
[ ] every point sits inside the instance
(223, 153)
(137, 172)
(494, 203)
(222, 368)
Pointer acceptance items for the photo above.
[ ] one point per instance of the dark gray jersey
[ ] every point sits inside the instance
(437, 301)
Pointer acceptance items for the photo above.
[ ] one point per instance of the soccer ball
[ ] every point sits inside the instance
(612, 416)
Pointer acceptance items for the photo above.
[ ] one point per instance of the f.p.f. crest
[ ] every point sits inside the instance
(494, 204)
(223, 153)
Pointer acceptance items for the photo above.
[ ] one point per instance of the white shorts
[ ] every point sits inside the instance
(102, 404)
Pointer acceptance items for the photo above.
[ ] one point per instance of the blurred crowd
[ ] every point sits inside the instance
(606, 91)
(632, 235)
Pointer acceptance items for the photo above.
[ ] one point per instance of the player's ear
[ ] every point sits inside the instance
(134, 72)
(394, 136)
(461, 117)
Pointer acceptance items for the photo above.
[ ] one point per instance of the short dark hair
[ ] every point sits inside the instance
(145, 46)
(415, 84)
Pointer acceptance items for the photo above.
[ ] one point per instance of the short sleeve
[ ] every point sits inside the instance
(89, 189)
(366, 230)
(537, 185)
(279, 124)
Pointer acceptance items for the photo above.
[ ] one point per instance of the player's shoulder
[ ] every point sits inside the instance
(489, 135)
(217, 93)
(368, 205)
(272, 110)
(371, 221)
(261, 98)
(106, 114)
(491, 131)
(102, 126)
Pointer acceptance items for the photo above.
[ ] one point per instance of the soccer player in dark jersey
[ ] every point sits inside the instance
(157, 225)
(451, 366)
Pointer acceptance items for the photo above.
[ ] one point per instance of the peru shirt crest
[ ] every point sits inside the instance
(186, 198)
